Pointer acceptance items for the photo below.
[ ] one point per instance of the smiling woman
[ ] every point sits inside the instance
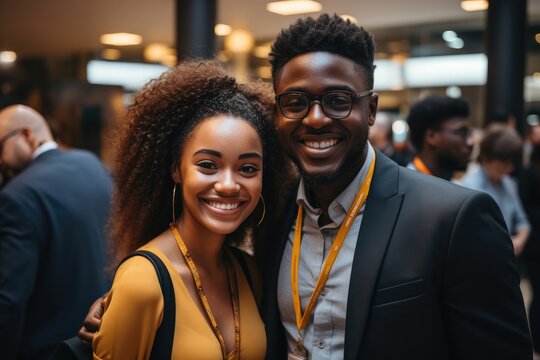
(196, 157)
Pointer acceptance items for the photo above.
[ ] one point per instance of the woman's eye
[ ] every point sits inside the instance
(249, 169)
(206, 165)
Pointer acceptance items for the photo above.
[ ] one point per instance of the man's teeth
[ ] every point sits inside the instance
(223, 206)
(321, 144)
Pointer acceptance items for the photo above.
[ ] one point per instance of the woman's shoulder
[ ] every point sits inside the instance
(137, 277)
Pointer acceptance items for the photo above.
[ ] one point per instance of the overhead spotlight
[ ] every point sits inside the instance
(474, 5)
(457, 43)
(453, 91)
(7, 57)
(293, 7)
(222, 29)
(239, 41)
(120, 39)
(449, 35)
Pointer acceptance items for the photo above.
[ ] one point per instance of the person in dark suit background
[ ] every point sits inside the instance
(426, 270)
(53, 214)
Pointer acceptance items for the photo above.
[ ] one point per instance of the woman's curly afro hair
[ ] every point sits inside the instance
(163, 114)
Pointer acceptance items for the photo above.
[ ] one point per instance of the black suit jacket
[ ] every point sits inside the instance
(52, 251)
(433, 275)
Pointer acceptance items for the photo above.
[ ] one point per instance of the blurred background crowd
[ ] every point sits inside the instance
(458, 81)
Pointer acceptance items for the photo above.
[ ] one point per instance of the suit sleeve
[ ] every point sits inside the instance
(483, 304)
(19, 259)
(133, 313)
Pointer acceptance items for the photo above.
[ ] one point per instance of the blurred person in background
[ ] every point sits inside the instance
(500, 152)
(529, 189)
(380, 134)
(53, 213)
(439, 130)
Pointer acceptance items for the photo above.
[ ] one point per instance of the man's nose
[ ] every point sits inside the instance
(315, 117)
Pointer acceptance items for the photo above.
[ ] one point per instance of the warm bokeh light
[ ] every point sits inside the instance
(239, 41)
(120, 39)
(293, 7)
(474, 5)
(537, 38)
(264, 72)
(449, 35)
(350, 18)
(222, 29)
(111, 54)
(155, 52)
(262, 51)
(7, 57)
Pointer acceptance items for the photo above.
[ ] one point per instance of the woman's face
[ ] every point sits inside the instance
(220, 174)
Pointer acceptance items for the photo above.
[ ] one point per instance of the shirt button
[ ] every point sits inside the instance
(321, 344)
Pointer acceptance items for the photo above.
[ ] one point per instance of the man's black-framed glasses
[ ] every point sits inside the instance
(5, 138)
(336, 104)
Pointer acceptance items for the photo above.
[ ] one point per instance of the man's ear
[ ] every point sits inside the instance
(373, 104)
(431, 137)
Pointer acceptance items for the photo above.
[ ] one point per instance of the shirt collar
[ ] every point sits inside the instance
(339, 207)
(46, 146)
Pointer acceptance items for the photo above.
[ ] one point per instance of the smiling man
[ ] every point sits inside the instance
(405, 274)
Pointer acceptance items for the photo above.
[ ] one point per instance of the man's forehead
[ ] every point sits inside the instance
(328, 70)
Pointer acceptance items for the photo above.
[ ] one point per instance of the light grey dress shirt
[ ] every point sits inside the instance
(505, 195)
(324, 336)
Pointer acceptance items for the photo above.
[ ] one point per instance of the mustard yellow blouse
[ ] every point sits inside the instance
(134, 310)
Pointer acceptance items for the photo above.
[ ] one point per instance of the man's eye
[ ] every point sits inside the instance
(249, 169)
(338, 101)
(207, 165)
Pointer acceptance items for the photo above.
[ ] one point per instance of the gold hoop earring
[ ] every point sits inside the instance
(263, 212)
(173, 204)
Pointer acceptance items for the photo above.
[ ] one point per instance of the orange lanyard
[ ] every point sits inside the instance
(302, 320)
(420, 166)
(202, 296)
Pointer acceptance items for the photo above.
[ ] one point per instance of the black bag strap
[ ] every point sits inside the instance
(163, 341)
(239, 255)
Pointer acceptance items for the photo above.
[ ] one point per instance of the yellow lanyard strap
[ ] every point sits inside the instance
(202, 296)
(360, 199)
(420, 166)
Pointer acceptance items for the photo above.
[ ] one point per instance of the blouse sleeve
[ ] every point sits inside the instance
(133, 313)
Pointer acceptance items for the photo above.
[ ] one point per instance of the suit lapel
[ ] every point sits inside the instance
(382, 209)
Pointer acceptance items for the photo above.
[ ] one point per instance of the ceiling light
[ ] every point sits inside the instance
(449, 35)
(240, 41)
(111, 54)
(7, 57)
(453, 91)
(457, 43)
(474, 5)
(262, 51)
(222, 29)
(293, 7)
(120, 39)
(349, 17)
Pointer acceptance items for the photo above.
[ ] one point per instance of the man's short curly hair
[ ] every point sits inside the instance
(430, 113)
(326, 33)
(163, 114)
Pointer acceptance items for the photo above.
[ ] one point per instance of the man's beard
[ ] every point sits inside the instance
(451, 164)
